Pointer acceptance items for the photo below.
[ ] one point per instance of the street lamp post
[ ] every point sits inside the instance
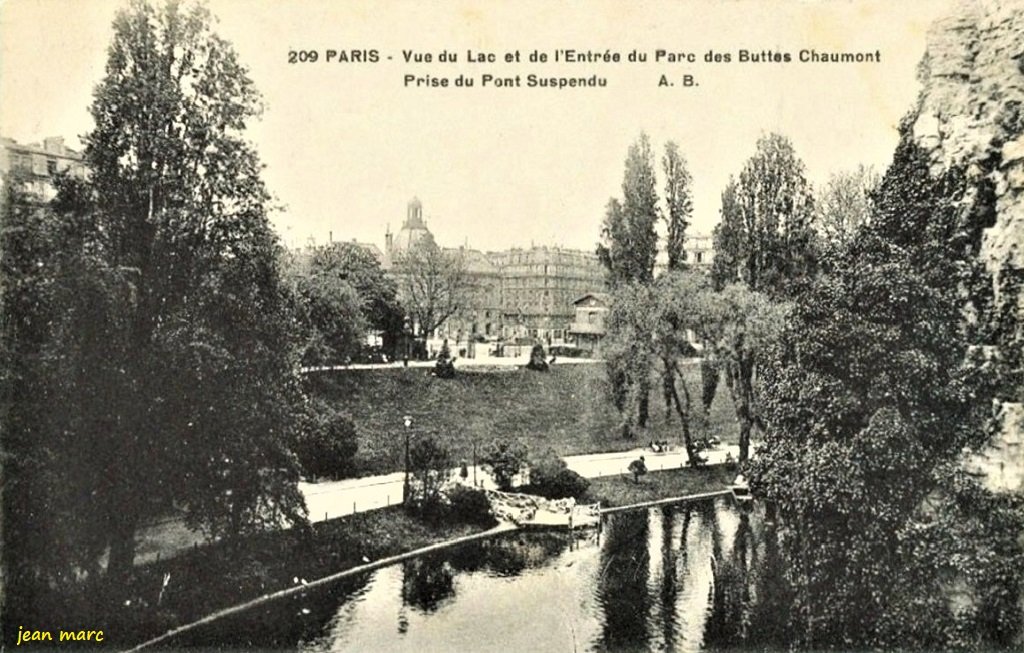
(474, 464)
(405, 487)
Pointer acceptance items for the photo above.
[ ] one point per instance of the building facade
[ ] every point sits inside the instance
(553, 295)
(588, 326)
(36, 164)
(517, 293)
(539, 286)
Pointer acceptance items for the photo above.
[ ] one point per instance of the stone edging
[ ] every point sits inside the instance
(353, 571)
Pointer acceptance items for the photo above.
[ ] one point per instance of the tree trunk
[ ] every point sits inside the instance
(684, 413)
(668, 381)
(743, 397)
(644, 407)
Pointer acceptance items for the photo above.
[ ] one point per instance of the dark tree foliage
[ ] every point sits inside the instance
(872, 394)
(378, 293)
(709, 376)
(765, 238)
(330, 316)
(444, 367)
(551, 478)
(679, 202)
(630, 240)
(327, 442)
(538, 360)
(505, 460)
(149, 339)
(430, 462)
(629, 353)
(628, 252)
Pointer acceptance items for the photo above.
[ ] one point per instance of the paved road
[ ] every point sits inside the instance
(468, 363)
(332, 499)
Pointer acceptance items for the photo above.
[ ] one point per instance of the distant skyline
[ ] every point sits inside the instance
(347, 146)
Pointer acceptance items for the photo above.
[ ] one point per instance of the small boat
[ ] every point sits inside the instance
(741, 490)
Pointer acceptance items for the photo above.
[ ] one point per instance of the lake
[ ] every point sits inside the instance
(690, 577)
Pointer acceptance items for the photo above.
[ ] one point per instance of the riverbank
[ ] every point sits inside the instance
(220, 575)
(215, 577)
(620, 490)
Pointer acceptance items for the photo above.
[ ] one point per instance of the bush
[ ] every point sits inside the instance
(552, 479)
(327, 442)
(430, 463)
(470, 506)
(505, 460)
(444, 368)
(538, 360)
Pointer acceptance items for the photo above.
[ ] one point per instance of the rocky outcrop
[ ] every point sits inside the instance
(971, 115)
(971, 112)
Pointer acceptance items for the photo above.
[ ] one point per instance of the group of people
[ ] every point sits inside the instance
(659, 446)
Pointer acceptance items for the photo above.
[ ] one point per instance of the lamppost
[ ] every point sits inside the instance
(474, 464)
(405, 487)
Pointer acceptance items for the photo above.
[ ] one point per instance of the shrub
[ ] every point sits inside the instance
(538, 360)
(470, 506)
(430, 463)
(326, 442)
(444, 368)
(505, 460)
(551, 478)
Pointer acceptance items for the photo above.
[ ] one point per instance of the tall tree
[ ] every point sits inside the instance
(628, 252)
(63, 347)
(330, 312)
(631, 241)
(765, 237)
(210, 392)
(630, 352)
(679, 202)
(843, 204)
(433, 285)
(873, 392)
(679, 303)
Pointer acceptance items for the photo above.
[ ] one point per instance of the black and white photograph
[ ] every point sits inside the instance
(478, 325)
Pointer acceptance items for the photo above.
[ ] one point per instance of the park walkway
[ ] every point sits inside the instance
(332, 499)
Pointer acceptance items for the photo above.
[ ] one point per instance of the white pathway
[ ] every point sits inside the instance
(332, 499)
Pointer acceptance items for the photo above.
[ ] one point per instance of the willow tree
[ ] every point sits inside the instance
(628, 252)
(209, 398)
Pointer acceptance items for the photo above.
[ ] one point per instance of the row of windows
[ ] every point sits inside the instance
(43, 165)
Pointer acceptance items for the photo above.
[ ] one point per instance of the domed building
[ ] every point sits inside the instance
(413, 230)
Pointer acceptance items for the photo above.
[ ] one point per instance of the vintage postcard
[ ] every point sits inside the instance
(511, 326)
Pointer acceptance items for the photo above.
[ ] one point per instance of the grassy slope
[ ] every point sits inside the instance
(567, 409)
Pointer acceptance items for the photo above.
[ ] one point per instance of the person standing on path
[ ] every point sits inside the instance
(638, 468)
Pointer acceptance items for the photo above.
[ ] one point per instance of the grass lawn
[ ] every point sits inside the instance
(567, 409)
(622, 491)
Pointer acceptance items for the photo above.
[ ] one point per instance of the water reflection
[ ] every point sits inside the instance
(686, 578)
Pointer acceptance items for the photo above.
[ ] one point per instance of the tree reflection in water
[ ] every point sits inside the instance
(751, 598)
(427, 582)
(622, 586)
(702, 576)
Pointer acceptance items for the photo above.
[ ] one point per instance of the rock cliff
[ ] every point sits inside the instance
(971, 114)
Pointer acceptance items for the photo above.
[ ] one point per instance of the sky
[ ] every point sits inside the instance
(347, 145)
